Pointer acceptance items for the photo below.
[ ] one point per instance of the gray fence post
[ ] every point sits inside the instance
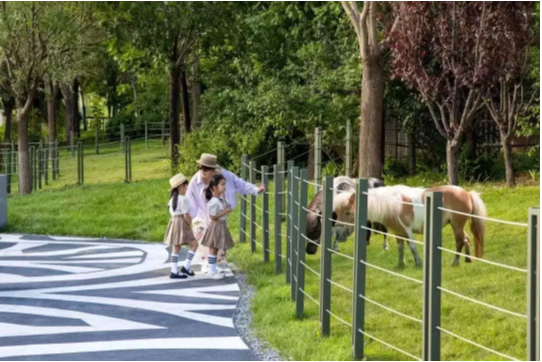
(122, 139)
(265, 214)
(163, 132)
(348, 163)
(3, 200)
(96, 139)
(289, 224)
(294, 231)
(325, 258)
(80, 167)
(46, 163)
(128, 159)
(282, 162)
(32, 167)
(533, 286)
(277, 177)
(57, 159)
(302, 222)
(317, 158)
(72, 143)
(252, 173)
(432, 277)
(40, 165)
(146, 136)
(360, 257)
(242, 216)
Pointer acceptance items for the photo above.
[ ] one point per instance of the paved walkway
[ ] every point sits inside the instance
(93, 299)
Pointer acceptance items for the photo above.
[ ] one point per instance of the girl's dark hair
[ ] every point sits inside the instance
(214, 183)
(175, 194)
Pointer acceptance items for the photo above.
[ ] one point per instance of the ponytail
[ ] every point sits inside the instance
(214, 183)
(175, 195)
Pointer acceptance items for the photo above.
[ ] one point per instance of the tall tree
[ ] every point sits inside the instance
(365, 24)
(440, 49)
(510, 96)
(168, 32)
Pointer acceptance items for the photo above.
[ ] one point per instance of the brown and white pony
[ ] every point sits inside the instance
(341, 184)
(406, 220)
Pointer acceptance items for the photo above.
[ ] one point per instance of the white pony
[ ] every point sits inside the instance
(405, 220)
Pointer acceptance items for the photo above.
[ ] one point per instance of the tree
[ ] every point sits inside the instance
(441, 49)
(167, 33)
(509, 97)
(372, 85)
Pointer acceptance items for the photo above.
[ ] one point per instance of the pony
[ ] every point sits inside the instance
(341, 185)
(405, 220)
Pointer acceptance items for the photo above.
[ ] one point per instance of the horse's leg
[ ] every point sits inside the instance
(459, 235)
(385, 246)
(467, 248)
(401, 249)
(413, 248)
(458, 226)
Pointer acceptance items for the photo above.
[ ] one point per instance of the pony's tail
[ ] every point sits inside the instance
(477, 225)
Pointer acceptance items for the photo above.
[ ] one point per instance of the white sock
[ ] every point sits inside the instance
(212, 264)
(189, 258)
(174, 261)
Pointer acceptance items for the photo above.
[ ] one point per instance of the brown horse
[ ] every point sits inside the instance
(404, 220)
(341, 184)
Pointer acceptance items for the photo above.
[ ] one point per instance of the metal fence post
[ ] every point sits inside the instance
(46, 163)
(10, 168)
(32, 167)
(317, 158)
(432, 277)
(3, 200)
(294, 231)
(289, 224)
(146, 136)
(533, 286)
(302, 222)
(122, 140)
(40, 165)
(360, 257)
(277, 177)
(72, 144)
(96, 139)
(57, 159)
(348, 163)
(325, 258)
(242, 216)
(127, 160)
(79, 163)
(282, 162)
(265, 214)
(252, 173)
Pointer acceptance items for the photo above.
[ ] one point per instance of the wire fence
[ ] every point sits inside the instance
(294, 183)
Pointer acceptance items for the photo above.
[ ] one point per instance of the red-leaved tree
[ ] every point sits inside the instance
(442, 49)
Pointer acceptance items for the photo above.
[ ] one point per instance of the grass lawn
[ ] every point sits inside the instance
(105, 206)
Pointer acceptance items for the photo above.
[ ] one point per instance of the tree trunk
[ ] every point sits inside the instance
(452, 161)
(25, 182)
(186, 104)
(506, 143)
(76, 114)
(196, 93)
(174, 134)
(8, 113)
(51, 108)
(69, 117)
(370, 125)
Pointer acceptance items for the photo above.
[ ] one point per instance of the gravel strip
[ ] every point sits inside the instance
(242, 320)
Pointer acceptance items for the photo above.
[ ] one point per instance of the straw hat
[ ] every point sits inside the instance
(177, 180)
(208, 160)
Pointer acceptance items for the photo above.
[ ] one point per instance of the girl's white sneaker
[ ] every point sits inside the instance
(216, 276)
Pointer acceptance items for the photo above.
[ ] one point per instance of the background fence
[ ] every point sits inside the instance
(290, 191)
(131, 152)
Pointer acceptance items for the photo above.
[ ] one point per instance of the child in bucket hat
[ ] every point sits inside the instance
(179, 231)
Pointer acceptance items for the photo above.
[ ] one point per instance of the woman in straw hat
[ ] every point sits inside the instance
(207, 167)
(178, 232)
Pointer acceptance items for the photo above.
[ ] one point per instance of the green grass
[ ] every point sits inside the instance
(103, 207)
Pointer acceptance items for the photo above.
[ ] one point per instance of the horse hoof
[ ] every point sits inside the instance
(386, 247)
(455, 263)
(468, 260)
(419, 265)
